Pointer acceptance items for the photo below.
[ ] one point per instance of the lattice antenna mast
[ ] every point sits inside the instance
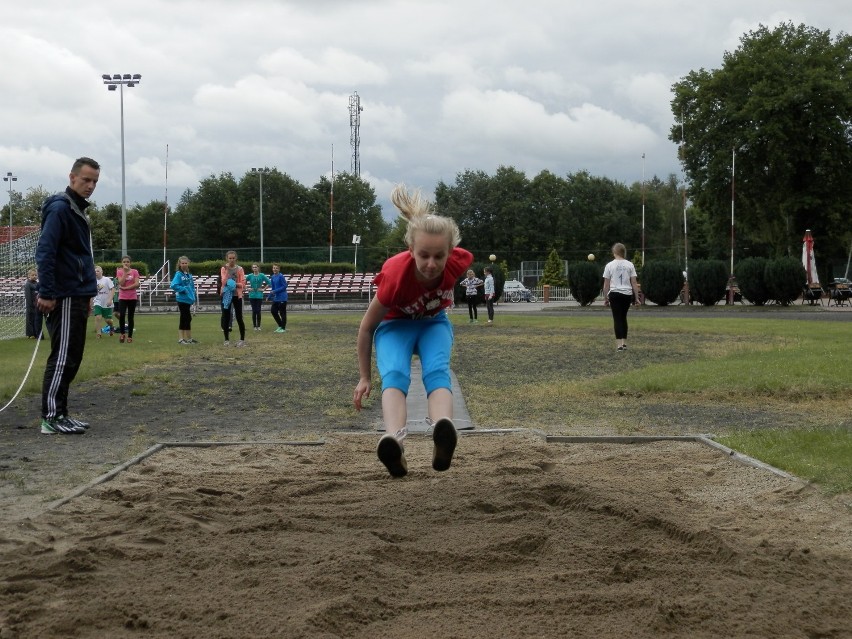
(355, 109)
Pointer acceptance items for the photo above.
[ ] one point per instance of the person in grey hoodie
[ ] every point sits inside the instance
(66, 268)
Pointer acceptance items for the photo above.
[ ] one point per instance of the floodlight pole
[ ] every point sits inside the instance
(10, 178)
(331, 210)
(112, 81)
(260, 173)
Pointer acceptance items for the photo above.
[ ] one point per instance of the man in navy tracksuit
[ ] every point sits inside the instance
(67, 270)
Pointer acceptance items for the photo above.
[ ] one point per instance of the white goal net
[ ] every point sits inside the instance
(16, 258)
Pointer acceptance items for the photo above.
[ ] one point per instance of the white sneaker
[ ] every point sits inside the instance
(241, 343)
(227, 343)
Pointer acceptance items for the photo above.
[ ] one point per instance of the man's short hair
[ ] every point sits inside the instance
(79, 163)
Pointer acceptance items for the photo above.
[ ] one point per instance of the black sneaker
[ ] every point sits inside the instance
(78, 422)
(391, 455)
(445, 438)
(60, 426)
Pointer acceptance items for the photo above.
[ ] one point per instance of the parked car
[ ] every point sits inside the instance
(515, 291)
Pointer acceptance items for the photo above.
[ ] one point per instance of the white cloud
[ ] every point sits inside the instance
(333, 67)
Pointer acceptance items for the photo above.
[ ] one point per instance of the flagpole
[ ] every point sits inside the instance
(685, 235)
(166, 207)
(733, 175)
(643, 210)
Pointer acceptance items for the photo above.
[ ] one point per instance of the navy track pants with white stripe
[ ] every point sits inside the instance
(67, 327)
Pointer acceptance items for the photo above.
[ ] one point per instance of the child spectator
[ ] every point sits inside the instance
(128, 285)
(471, 283)
(489, 293)
(183, 285)
(233, 279)
(257, 283)
(103, 307)
(279, 299)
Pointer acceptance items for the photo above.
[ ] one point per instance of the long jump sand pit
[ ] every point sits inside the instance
(520, 538)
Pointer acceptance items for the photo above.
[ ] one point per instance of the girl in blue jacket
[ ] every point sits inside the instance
(184, 287)
(278, 295)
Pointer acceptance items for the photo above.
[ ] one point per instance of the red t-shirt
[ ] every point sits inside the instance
(407, 298)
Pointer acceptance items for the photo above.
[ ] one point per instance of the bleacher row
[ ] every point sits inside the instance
(304, 285)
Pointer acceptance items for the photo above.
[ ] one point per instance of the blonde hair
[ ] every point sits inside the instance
(619, 249)
(421, 216)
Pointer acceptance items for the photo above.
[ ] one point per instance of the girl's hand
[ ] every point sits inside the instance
(362, 390)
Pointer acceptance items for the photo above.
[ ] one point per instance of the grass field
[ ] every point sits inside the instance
(778, 390)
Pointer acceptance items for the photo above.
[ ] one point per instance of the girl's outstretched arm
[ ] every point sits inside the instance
(372, 318)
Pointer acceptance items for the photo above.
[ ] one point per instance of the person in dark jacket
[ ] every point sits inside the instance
(34, 319)
(66, 269)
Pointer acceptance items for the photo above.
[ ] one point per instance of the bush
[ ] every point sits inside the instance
(662, 281)
(584, 280)
(708, 281)
(751, 278)
(785, 279)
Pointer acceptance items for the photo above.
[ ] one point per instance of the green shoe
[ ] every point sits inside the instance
(60, 426)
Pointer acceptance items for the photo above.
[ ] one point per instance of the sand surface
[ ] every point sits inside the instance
(520, 538)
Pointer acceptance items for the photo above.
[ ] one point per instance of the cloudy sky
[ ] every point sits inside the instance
(445, 85)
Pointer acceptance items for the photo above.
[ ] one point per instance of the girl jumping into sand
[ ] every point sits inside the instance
(407, 317)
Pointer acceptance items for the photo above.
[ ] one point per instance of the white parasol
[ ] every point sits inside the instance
(808, 259)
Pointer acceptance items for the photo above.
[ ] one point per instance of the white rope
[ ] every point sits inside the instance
(27, 374)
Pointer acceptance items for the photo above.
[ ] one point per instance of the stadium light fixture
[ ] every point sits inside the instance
(356, 240)
(111, 82)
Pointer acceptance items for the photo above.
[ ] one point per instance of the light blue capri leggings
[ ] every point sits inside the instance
(431, 339)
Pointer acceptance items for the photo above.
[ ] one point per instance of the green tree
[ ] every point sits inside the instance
(780, 108)
(293, 214)
(553, 271)
(106, 231)
(26, 207)
(356, 211)
(211, 217)
(145, 225)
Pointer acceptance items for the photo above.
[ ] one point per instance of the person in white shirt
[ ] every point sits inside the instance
(103, 307)
(620, 289)
(489, 293)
